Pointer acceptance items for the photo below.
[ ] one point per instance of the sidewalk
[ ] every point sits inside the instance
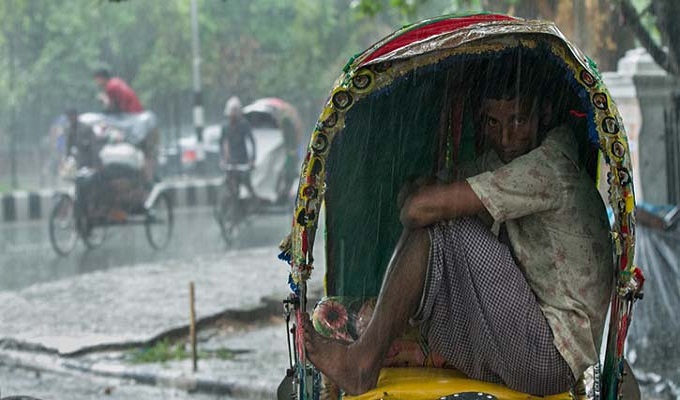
(84, 323)
(35, 205)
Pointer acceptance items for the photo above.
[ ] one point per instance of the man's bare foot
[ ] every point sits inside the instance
(354, 371)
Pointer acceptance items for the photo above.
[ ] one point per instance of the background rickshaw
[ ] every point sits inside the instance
(383, 124)
(109, 189)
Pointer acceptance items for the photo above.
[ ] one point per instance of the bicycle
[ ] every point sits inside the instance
(230, 209)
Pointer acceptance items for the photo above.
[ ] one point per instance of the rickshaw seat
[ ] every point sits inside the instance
(411, 371)
(435, 383)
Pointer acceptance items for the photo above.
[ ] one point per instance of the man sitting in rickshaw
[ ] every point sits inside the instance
(521, 301)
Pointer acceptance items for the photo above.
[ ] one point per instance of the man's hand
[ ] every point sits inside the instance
(432, 203)
(418, 208)
(116, 135)
(411, 187)
(104, 99)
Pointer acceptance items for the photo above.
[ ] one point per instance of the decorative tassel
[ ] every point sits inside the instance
(285, 256)
(285, 243)
(304, 271)
(285, 247)
(293, 286)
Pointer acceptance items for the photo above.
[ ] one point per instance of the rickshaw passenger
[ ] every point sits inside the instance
(80, 142)
(120, 99)
(526, 307)
(118, 96)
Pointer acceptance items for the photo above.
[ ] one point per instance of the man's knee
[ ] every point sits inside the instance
(419, 238)
(468, 224)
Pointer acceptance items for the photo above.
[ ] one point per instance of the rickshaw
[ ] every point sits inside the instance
(108, 186)
(383, 124)
(277, 130)
(275, 113)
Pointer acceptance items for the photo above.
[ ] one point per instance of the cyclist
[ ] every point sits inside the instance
(236, 132)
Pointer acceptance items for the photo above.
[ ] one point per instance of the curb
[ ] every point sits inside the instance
(177, 380)
(268, 307)
(37, 205)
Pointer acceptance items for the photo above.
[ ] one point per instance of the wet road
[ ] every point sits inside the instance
(26, 259)
(26, 256)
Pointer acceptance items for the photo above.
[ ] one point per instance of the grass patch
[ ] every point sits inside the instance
(165, 351)
(224, 354)
(162, 351)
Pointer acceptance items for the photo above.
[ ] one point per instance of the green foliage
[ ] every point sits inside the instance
(410, 10)
(647, 18)
(165, 351)
(253, 49)
(224, 354)
(162, 351)
(258, 48)
(373, 7)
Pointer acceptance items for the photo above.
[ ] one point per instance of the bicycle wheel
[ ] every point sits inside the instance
(217, 206)
(159, 222)
(62, 225)
(228, 214)
(91, 228)
(92, 232)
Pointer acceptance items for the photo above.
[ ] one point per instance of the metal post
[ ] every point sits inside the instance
(198, 97)
(12, 113)
(192, 326)
(177, 167)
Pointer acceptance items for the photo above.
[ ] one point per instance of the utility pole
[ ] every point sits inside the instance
(198, 97)
(12, 111)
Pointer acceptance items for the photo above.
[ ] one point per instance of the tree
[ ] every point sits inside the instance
(665, 15)
(592, 25)
(253, 49)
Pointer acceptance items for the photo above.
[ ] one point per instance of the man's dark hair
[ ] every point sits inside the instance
(102, 73)
(517, 74)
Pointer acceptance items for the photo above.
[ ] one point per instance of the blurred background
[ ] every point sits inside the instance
(290, 49)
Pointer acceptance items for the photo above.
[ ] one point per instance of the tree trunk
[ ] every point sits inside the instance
(667, 13)
(664, 23)
(593, 25)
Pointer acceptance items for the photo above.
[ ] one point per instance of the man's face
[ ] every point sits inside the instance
(233, 116)
(510, 127)
(100, 81)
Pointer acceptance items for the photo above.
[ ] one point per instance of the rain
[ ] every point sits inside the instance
(182, 181)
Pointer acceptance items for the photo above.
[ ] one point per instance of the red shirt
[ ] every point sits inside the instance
(123, 98)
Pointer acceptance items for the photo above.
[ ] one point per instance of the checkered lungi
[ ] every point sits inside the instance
(479, 313)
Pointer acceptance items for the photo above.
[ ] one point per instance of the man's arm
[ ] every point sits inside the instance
(70, 139)
(224, 147)
(113, 104)
(251, 139)
(439, 202)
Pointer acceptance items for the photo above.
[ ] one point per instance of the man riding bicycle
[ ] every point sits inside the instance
(236, 132)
